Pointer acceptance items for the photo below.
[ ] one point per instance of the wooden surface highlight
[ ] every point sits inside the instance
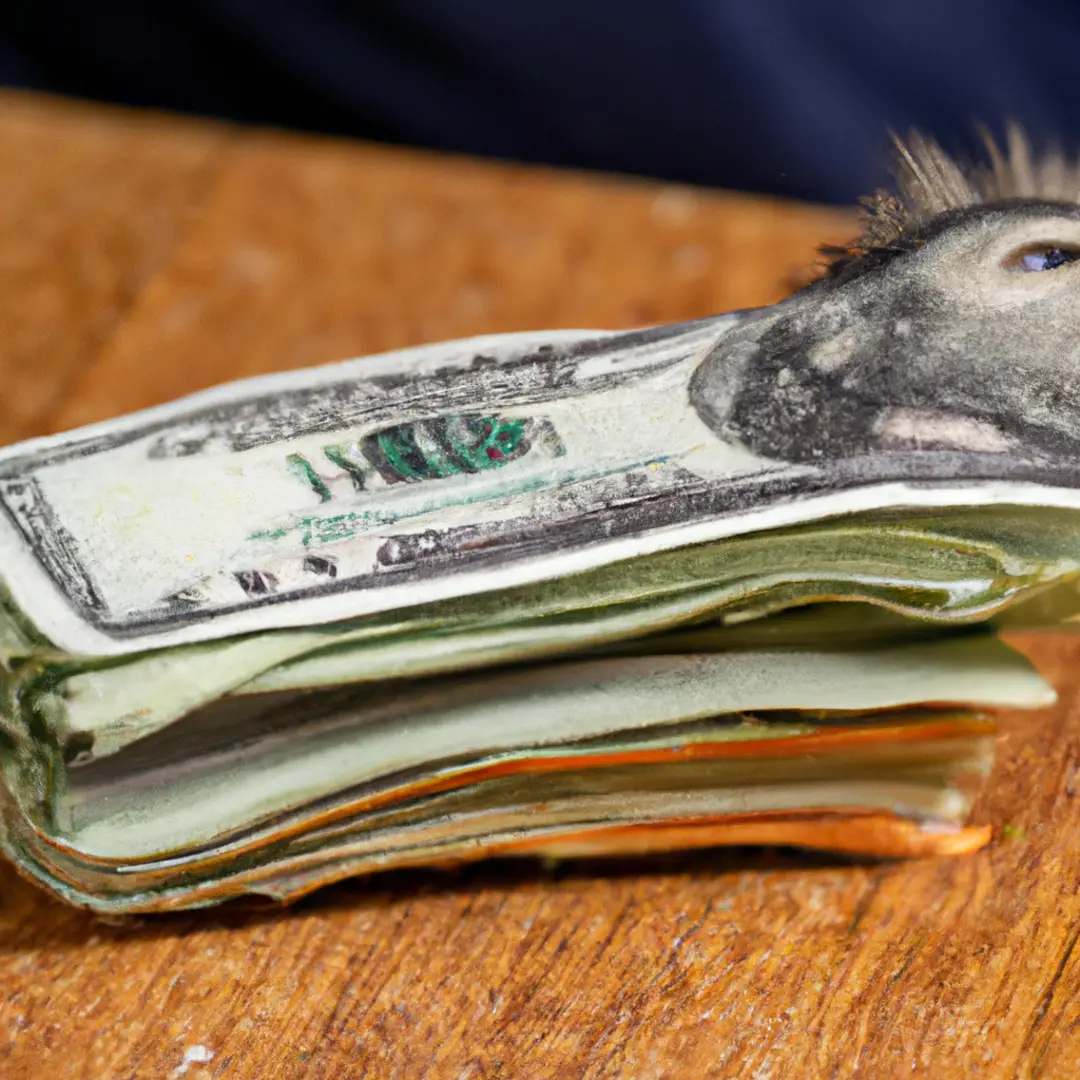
(142, 258)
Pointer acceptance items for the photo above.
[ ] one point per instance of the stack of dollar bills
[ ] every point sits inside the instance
(564, 594)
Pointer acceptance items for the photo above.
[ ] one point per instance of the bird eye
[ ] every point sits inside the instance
(1041, 258)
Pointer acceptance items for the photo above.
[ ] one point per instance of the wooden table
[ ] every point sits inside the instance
(143, 257)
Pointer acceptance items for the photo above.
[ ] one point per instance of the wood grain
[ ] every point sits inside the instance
(141, 258)
(91, 205)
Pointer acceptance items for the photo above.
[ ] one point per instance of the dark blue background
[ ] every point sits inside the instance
(785, 96)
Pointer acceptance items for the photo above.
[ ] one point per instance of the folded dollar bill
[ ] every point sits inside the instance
(566, 593)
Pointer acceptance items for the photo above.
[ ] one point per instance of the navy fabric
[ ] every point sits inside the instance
(786, 96)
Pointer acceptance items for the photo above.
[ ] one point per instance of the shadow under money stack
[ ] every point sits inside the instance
(734, 581)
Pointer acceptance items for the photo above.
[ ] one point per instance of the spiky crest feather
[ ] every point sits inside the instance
(931, 182)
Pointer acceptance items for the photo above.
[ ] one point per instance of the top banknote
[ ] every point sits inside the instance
(932, 368)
